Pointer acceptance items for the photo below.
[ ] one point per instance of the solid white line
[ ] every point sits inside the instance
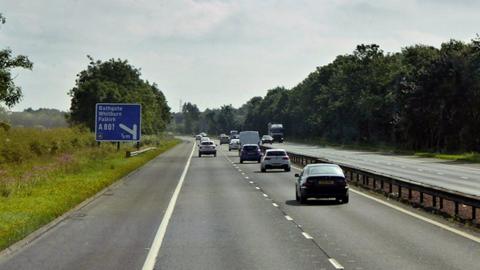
(157, 241)
(335, 264)
(274, 204)
(306, 235)
(288, 218)
(257, 187)
(265, 195)
(433, 222)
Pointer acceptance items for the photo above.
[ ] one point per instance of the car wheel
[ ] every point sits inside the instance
(199, 155)
(297, 198)
(258, 161)
(263, 169)
(241, 160)
(303, 199)
(345, 199)
(287, 169)
(215, 155)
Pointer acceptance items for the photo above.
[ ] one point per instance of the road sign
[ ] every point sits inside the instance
(118, 122)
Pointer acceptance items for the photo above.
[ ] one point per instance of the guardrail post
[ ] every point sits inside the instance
(456, 208)
(399, 191)
(421, 197)
(441, 203)
(374, 183)
(434, 201)
(409, 194)
(474, 213)
(390, 188)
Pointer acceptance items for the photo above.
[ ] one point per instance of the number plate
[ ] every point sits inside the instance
(328, 182)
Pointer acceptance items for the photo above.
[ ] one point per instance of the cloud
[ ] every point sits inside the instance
(214, 52)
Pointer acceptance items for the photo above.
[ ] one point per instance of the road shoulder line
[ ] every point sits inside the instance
(162, 229)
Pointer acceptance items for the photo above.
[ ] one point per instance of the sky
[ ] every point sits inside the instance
(213, 52)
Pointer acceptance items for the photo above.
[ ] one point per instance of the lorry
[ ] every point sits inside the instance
(276, 131)
(249, 137)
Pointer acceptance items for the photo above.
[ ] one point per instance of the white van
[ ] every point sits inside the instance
(249, 137)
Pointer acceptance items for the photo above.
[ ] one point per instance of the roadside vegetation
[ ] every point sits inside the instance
(421, 99)
(44, 173)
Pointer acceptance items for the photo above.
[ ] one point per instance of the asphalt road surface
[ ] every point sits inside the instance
(447, 174)
(231, 216)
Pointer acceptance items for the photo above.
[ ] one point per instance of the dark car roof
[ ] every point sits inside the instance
(323, 170)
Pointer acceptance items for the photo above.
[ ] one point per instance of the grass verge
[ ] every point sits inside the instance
(465, 157)
(52, 186)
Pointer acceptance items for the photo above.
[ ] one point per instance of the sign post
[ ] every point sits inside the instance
(118, 122)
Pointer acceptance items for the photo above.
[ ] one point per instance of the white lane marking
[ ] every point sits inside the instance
(274, 204)
(246, 177)
(335, 264)
(439, 173)
(162, 229)
(403, 167)
(464, 177)
(420, 170)
(243, 173)
(251, 182)
(288, 218)
(306, 235)
(265, 195)
(239, 170)
(257, 187)
(433, 222)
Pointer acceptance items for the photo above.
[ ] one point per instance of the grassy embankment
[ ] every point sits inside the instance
(472, 157)
(44, 173)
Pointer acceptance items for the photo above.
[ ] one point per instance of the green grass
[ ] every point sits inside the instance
(466, 157)
(36, 191)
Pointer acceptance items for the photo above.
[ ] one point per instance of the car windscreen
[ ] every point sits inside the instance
(325, 170)
(276, 153)
(250, 148)
(207, 143)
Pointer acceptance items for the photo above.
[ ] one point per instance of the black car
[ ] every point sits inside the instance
(267, 139)
(250, 152)
(321, 181)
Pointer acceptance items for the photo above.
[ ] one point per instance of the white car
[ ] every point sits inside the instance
(234, 144)
(207, 148)
(275, 159)
(205, 139)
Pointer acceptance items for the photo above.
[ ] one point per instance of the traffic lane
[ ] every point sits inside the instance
(113, 231)
(221, 221)
(448, 177)
(413, 162)
(367, 234)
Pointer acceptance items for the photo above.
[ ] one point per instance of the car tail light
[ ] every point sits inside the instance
(267, 158)
(308, 183)
(286, 158)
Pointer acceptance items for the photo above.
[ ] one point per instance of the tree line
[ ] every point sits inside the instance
(421, 98)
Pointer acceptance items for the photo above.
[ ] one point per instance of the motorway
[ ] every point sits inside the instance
(226, 215)
(451, 175)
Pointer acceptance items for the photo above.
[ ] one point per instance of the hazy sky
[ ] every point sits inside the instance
(213, 52)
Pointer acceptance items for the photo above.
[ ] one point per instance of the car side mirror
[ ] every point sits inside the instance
(297, 175)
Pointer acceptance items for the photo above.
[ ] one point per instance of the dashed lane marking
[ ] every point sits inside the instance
(274, 204)
(306, 235)
(335, 264)
(288, 218)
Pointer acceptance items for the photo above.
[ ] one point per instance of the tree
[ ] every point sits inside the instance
(10, 94)
(116, 81)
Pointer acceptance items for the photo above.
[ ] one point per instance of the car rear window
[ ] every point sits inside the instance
(250, 148)
(325, 170)
(276, 153)
(207, 143)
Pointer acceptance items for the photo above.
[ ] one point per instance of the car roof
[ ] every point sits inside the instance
(251, 144)
(320, 165)
(271, 150)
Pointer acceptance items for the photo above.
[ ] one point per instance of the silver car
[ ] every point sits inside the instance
(234, 144)
(275, 159)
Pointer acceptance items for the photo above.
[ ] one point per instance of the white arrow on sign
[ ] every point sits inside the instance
(132, 131)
